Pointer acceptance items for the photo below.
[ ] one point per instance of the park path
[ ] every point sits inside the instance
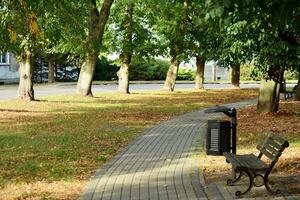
(161, 164)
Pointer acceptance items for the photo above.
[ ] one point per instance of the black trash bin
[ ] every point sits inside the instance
(221, 134)
(218, 137)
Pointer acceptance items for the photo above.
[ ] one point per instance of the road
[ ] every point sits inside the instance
(10, 92)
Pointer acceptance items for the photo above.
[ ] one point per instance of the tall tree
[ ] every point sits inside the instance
(271, 40)
(129, 35)
(170, 19)
(202, 38)
(97, 21)
(279, 46)
(126, 55)
(23, 33)
(176, 46)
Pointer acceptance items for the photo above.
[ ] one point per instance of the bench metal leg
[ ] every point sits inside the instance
(256, 178)
(266, 182)
(250, 176)
(235, 179)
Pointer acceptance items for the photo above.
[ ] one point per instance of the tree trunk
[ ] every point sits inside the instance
(171, 75)
(269, 95)
(26, 85)
(199, 78)
(123, 73)
(269, 92)
(297, 92)
(55, 70)
(235, 75)
(51, 72)
(84, 84)
(214, 72)
(94, 41)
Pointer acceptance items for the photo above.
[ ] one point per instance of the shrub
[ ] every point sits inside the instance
(248, 74)
(152, 69)
(105, 70)
(291, 75)
(186, 74)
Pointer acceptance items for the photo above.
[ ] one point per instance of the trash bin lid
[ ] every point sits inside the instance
(217, 109)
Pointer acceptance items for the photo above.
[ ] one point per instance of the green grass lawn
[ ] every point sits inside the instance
(52, 146)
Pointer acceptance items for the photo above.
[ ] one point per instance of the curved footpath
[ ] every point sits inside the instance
(159, 164)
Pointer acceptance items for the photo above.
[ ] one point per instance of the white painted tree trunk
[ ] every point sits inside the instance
(171, 75)
(123, 75)
(25, 89)
(84, 84)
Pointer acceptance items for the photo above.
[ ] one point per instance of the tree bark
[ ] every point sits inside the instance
(84, 84)
(25, 90)
(51, 72)
(235, 75)
(176, 48)
(199, 78)
(214, 72)
(297, 92)
(269, 92)
(268, 99)
(123, 73)
(123, 76)
(94, 41)
(172, 75)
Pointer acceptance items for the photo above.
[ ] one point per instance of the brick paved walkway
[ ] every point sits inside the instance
(160, 164)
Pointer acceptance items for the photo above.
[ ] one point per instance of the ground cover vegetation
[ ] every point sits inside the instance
(51, 147)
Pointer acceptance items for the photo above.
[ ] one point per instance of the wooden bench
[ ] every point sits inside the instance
(253, 167)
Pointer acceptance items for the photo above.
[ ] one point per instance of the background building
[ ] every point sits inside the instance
(213, 72)
(9, 68)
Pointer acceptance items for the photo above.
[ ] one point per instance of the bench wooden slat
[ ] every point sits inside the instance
(276, 138)
(274, 143)
(272, 146)
(275, 152)
(249, 161)
(269, 155)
